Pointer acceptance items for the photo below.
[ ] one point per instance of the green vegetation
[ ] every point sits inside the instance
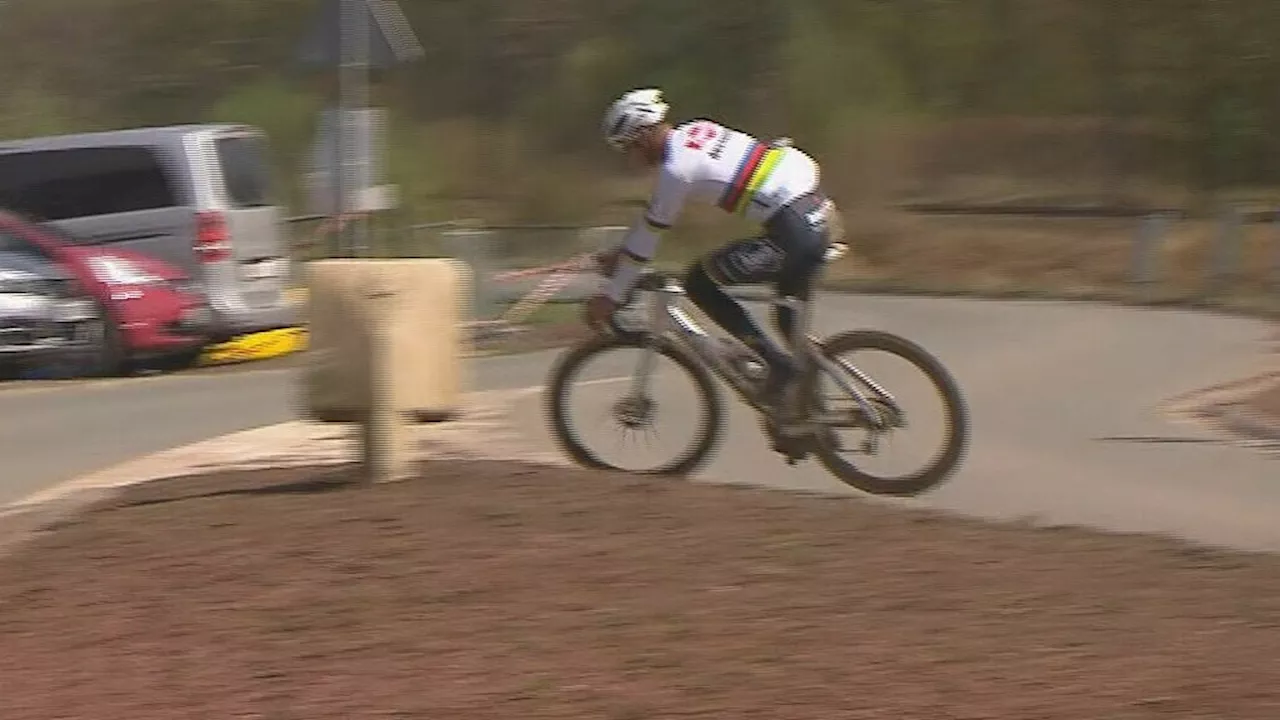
(1171, 103)
(912, 97)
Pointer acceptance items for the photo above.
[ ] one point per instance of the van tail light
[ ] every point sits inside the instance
(213, 243)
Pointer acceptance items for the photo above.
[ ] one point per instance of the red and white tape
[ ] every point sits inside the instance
(560, 275)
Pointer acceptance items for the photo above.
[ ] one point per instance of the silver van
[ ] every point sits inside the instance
(195, 196)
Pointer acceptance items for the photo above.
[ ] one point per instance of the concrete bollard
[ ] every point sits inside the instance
(388, 348)
(386, 453)
(1275, 255)
(1226, 252)
(1144, 271)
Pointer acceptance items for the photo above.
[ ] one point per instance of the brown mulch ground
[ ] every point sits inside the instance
(1268, 402)
(494, 590)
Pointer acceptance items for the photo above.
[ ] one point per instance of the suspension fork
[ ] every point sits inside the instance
(640, 379)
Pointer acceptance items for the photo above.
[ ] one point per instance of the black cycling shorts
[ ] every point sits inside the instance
(787, 255)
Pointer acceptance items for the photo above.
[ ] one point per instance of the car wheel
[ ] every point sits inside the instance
(103, 352)
(183, 360)
(85, 358)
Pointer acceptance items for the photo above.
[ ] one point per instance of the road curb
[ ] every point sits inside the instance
(255, 346)
(481, 432)
(1221, 409)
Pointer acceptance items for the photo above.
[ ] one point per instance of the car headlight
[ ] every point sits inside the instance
(118, 271)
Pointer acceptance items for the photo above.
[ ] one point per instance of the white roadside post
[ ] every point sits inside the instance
(388, 349)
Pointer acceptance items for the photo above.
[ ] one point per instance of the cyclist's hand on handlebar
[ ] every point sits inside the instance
(599, 308)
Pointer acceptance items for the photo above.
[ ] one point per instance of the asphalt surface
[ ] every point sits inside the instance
(1064, 400)
(53, 432)
(1067, 425)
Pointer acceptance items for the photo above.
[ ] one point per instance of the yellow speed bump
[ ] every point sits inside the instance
(255, 346)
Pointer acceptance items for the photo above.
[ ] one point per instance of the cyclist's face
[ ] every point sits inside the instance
(646, 151)
(636, 155)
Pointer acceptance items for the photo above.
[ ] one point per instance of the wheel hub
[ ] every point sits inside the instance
(634, 411)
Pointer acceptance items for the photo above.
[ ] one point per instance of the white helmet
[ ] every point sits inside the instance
(631, 113)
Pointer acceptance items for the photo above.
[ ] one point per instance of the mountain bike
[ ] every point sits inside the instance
(812, 429)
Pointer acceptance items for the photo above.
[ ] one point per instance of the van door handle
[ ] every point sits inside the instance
(119, 237)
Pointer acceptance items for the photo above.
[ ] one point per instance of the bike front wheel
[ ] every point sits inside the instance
(630, 404)
(888, 417)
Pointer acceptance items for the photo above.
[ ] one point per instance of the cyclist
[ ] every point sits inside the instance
(772, 183)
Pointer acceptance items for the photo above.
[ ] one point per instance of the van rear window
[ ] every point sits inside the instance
(245, 170)
(82, 182)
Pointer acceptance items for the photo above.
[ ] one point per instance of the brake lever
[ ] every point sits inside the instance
(649, 280)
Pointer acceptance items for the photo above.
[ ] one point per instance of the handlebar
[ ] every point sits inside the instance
(649, 281)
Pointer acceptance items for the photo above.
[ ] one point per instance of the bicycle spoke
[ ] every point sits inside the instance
(651, 387)
(863, 417)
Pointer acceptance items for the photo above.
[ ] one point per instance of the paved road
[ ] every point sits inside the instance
(1064, 399)
(52, 433)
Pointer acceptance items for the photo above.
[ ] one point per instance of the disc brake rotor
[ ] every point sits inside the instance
(634, 411)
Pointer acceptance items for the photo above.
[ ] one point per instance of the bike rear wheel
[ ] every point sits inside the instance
(828, 445)
(706, 398)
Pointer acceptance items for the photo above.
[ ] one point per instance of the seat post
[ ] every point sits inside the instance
(801, 310)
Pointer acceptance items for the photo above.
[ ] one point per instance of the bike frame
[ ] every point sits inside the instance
(668, 317)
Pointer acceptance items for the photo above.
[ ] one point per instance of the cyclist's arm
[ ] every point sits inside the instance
(641, 242)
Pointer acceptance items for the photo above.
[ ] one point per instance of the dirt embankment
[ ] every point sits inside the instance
(490, 590)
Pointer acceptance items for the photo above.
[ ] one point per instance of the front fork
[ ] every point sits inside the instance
(641, 378)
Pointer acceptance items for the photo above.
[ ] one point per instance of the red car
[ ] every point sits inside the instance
(155, 314)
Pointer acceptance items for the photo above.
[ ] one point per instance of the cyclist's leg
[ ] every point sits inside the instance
(801, 228)
(806, 242)
(753, 260)
(796, 281)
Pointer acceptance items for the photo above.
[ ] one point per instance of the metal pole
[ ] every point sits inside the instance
(360, 99)
(1275, 267)
(339, 167)
(1226, 252)
(475, 247)
(353, 95)
(1144, 271)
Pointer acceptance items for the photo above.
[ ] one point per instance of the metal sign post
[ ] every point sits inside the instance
(353, 37)
(353, 93)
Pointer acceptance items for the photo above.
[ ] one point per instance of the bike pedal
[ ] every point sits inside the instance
(790, 452)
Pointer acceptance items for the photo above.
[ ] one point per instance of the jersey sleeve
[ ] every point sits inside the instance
(641, 242)
(667, 200)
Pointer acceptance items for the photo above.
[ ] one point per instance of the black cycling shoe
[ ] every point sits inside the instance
(777, 391)
(778, 402)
